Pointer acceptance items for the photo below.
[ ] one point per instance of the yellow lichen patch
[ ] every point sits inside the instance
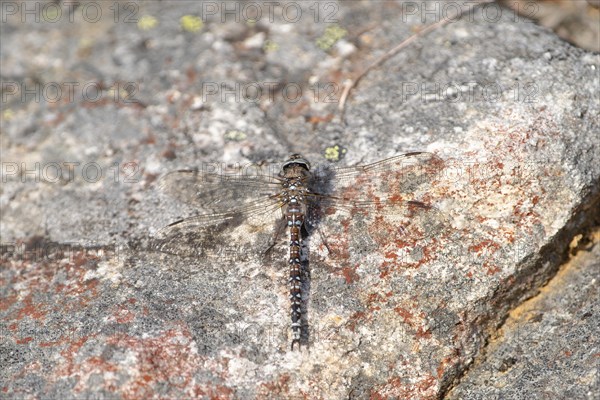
(332, 34)
(118, 92)
(191, 23)
(51, 13)
(147, 22)
(85, 43)
(334, 153)
(270, 46)
(235, 135)
(8, 114)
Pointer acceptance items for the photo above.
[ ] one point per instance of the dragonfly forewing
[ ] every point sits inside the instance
(213, 193)
(240, 234)
(385, 192)
(395, 176)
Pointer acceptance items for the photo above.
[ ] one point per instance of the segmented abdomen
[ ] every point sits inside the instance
(294, 220)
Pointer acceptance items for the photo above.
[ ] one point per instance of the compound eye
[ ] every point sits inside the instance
(298, 160)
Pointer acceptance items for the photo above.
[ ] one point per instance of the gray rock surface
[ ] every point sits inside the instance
(548, 347)
(87, 312)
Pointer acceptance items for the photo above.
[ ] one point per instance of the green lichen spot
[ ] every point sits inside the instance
(8, 114)
(235, 136)
(191, 23)
(50, 13)
(147, 22)
(331, 35)
(334, 153)
(270, 46)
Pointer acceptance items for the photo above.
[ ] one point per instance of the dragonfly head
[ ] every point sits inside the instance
(296, 159)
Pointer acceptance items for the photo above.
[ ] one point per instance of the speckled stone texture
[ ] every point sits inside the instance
(87, 311)
(548, 348)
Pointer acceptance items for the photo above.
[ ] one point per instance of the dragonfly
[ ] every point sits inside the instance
(254, 205)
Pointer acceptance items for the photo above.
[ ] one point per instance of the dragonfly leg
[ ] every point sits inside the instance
(322, 236)
(279, 228)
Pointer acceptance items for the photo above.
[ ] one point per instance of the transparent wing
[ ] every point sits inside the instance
(388, 194)
(410, 218)
(214, 193)
(391, 178)
(239, 234)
